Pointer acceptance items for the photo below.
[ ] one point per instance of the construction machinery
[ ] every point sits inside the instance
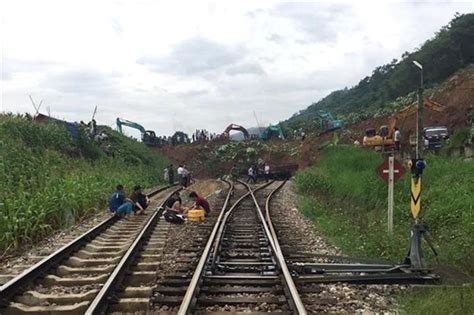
(379, 141)
(384, 138)
(328, 123)
(226, 133)
(400, 118)
(148, 137)
(273, 131)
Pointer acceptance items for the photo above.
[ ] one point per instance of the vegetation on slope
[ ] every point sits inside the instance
(348, 203)
(49, 180)
(450, 50)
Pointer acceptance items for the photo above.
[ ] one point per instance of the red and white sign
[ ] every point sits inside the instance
(383, 170)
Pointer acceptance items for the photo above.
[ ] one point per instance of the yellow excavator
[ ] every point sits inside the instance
(383, 140)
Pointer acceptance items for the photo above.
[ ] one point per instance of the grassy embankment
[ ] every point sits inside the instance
(347, 202)
(50, 180)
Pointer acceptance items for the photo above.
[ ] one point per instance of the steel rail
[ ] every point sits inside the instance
(271, 235)
(9, 289)
(220, 234)
(213, 242)
(101, 300)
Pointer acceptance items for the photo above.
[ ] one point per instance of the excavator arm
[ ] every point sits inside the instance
(237, 127)
(123, 122)
(400, 118)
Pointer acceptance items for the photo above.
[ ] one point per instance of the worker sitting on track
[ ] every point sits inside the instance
(200, 202)
(118, 204)
(140, 200)
(174, 210)
(174, 204)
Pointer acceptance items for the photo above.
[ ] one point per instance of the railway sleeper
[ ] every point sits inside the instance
(137, 278)
(233, 300)
(225, 288)
(84, 254)
(34, 298)
(236, 313)
(136, 292)
(63, 270)
(129, 305)
(20, 309)
(95, 246)
(79, 262)
(50, 280)
(146, 266)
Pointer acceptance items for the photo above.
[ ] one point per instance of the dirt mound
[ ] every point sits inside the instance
(212, 159)
(456, 95)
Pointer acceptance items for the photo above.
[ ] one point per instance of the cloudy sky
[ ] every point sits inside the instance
(182, 65)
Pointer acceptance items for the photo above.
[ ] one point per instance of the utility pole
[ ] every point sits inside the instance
(419, 115)
(415, 257)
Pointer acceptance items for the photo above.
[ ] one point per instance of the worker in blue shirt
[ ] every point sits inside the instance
(118, 204)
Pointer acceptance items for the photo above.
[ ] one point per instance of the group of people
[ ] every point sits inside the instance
(175, 204)
(121, 205)
(252, 173)
(184, 175)
(175, 212)
(204, 135)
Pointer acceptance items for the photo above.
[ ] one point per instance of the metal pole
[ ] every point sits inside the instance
(419, 120)
(390, 195)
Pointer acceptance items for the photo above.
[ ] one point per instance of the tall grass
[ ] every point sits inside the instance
(347, 201)
(47, 178)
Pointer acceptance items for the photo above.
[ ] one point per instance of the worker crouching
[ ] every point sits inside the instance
(200, 208)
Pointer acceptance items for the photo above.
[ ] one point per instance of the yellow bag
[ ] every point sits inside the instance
(196, 215)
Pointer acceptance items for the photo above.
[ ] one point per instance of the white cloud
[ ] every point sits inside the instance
(188, 65)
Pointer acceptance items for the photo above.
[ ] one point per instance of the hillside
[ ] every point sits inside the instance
(50, 179)
(451, 49)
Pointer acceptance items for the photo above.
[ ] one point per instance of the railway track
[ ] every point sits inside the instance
(328, 282)
(69, 280)
(246, 257)
(242, 268)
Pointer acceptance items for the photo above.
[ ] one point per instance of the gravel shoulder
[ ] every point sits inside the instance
(351, 299)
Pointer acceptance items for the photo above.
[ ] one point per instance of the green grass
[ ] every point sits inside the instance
(347, 201)
(49, 178)
(442, 301)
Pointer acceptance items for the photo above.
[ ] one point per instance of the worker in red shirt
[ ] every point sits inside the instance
(200, 202)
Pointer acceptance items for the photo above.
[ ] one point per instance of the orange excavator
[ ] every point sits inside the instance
(384, 138)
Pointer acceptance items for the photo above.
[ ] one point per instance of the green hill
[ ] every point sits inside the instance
(50, 179)
(451, 49)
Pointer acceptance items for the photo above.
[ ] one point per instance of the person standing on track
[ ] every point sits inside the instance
(171, 174)
(251, 174)
(186, 177)
(166, 175)
(267, 172)
(180, 172)
(234, 172)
